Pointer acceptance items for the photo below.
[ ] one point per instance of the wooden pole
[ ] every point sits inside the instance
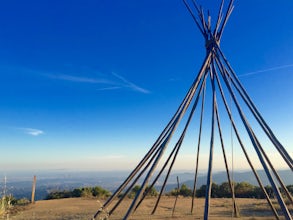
(34, 190)
(210, 166)
(198, 148)
(177, 194)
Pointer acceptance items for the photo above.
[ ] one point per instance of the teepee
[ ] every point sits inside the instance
(225, 90)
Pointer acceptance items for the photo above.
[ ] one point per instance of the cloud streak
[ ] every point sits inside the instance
(130, 85)
(118, 82)
(32, 131)
(112, 81)
(79, 79)
(109, 88)
(266, 70)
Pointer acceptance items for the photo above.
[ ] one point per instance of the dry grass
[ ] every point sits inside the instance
(80, 208)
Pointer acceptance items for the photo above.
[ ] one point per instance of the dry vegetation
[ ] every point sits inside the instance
(84, 208)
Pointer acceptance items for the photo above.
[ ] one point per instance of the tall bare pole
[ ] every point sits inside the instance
(177, 194)
(34, 189)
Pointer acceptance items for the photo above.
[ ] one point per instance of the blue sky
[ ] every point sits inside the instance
(91, 84)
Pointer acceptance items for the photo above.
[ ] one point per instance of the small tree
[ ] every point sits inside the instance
(100, 192)
(215, 191)
(86, 192)
(244, 190)
(59, 194)
(258, 193)
(151, 191)
(185, 191)
(201, 192)
(76, 193)
(224, 190)
(133, 191)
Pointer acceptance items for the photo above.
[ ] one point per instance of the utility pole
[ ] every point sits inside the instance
(34, 190)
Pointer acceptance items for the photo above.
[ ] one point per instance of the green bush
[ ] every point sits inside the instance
(100, 192)
(244, 190)
(183, 191)
(88, 192)
(6, 202)
(22, 202)
(151, 191)
(59, 194)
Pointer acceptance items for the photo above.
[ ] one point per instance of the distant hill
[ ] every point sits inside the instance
(20, 184)
(46, 182)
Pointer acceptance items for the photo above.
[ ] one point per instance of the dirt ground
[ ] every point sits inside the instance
(82, 208)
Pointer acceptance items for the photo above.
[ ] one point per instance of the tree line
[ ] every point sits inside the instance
(242, 190)
(96, 191)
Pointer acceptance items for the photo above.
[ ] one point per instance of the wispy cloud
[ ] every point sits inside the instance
(107, 81)
(266, 70)
(130, 85)
(79, 79)
(112, 81)
(32, 131)
(109, 88)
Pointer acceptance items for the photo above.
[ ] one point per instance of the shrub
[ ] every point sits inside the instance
(86, 192)
(151, 191)
(97, 191)
(244, 190)
(59, 194)
(100, 192)
(6, 203)
(185, 191)
(22, 202)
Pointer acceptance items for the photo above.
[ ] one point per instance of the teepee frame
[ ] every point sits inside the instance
(222, 78)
